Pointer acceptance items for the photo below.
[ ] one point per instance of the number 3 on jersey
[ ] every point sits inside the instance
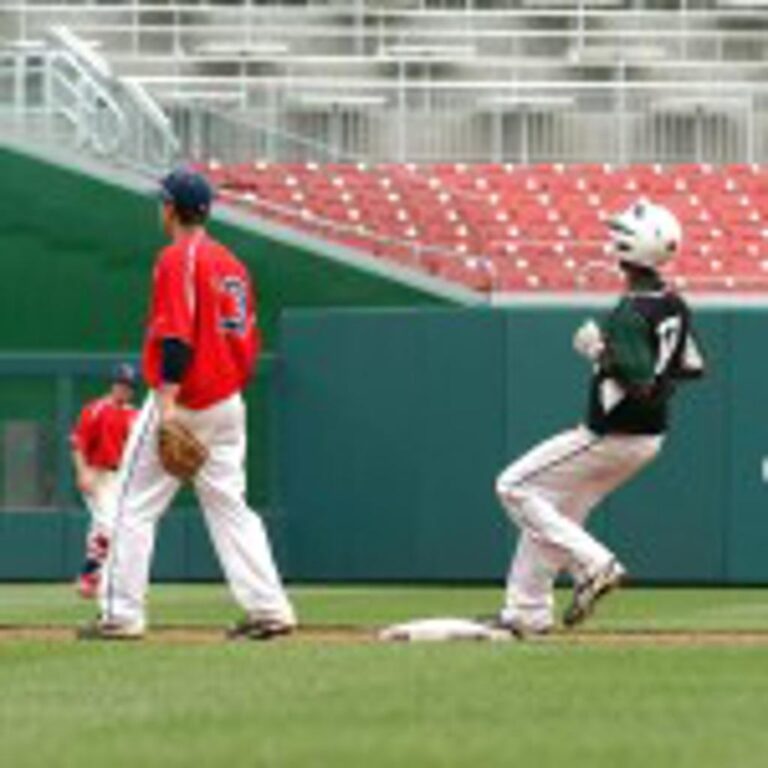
(233, 305)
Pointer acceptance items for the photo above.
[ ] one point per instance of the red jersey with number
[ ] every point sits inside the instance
(202, 295)
(102, 431)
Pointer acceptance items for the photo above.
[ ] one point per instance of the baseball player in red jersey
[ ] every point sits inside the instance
(201, 345)
(98, 441)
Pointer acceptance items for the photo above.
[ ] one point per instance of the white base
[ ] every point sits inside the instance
(441, 630)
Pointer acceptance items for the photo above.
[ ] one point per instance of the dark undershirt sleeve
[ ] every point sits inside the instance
(176, 358)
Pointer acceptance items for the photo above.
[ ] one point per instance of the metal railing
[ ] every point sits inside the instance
(60, 91)
(379, 121)
(520, 85)
(212, 32)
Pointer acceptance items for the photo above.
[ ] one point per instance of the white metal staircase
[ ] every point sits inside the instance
(61, 91)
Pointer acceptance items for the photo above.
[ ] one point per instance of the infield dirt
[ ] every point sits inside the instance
(348, 635)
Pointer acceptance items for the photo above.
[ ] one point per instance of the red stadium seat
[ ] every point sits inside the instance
(514, 227)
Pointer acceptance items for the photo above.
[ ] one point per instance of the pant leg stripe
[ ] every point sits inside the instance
(130, 471)
(559, 461)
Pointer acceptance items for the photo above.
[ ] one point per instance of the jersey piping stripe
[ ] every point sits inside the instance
(559, 461)
(191, 265)
(130, 471)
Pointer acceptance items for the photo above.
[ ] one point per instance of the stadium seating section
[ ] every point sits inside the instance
(512, 228)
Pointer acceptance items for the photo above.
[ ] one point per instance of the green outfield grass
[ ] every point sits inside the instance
(298, 703)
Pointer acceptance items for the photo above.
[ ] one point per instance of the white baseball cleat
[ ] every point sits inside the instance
(101, 629)
(588, 592)
(517, 626)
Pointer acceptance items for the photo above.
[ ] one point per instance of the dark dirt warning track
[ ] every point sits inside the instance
(355, 635)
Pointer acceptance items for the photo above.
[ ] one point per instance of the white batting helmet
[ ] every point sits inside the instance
(646, 234)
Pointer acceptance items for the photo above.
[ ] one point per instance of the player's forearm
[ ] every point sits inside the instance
(83, 471)
(167, 395)
(79, 462)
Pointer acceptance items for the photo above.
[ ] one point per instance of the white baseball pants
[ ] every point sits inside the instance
(101, 502)
(238, 534)
(549, 493)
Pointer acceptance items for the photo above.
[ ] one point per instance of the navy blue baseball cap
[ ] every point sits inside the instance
(124, 373)
(187, 191)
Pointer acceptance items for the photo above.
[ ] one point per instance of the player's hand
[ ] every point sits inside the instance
(169, 411)
(588, 341)
(85, 483)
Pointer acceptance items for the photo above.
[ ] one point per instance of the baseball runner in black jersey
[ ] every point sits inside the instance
(640, 353)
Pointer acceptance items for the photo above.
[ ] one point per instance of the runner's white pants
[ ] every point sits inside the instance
(238, 534)
(549, 493)
(101, 501)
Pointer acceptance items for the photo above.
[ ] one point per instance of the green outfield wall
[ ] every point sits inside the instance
(76, 253)
(380, 434)
(393, 426)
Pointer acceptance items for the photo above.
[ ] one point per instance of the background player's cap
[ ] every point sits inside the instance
(188, 191)
(124, 373)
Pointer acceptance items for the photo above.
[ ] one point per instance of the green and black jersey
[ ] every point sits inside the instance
(650, 347)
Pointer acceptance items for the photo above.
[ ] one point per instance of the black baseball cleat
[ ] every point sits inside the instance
(109, 630)
(260, 629)
(587, 593)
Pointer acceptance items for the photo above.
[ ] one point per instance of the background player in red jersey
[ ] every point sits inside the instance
(98, 441)
(201, 345)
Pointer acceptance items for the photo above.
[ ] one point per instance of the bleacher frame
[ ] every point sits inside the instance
(416, 84)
